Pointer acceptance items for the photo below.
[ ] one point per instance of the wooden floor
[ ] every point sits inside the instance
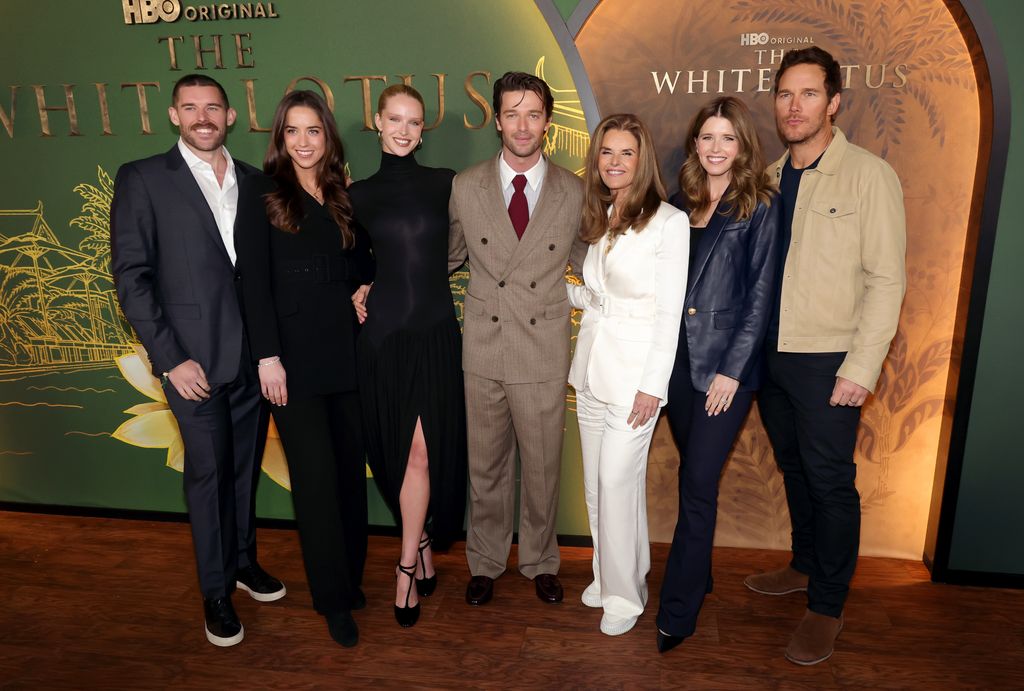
(112, 604)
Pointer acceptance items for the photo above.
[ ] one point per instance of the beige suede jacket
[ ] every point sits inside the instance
(845, 273)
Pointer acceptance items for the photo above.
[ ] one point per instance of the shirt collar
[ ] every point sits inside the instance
(534, 176)
(192, 160)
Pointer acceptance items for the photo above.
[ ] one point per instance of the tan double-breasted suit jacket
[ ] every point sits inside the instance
(516, 359)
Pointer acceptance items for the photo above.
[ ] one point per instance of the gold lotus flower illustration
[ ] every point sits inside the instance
(153, 425)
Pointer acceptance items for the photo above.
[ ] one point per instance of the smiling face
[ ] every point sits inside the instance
(803, 110)
(400, 124)
(202, 117)
(522, 123)
(617, 160)
(717, 146)
(304, 137)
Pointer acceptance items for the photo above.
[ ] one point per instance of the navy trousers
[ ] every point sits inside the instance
(704, 444)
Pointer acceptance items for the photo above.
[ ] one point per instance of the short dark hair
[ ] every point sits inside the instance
(521, 81)
(198, 80)
(813, 56)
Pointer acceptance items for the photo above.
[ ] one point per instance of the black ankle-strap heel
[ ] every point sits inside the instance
(407, 616)
(425, 586)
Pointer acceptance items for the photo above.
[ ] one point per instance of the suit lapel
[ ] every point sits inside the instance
(497, 213)
(550, 201)
(712, 235)
(182, 178)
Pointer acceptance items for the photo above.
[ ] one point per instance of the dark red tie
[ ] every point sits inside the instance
(518, 209)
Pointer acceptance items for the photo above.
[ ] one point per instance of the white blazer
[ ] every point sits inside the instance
(632, 302)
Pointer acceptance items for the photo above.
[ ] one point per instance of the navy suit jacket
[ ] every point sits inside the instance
(729, 296)
(174, 278)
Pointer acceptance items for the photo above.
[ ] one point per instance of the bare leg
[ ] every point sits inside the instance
(413, 501)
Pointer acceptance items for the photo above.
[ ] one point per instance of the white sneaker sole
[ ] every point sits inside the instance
(262, 597)
(618, 628)
(225, 642)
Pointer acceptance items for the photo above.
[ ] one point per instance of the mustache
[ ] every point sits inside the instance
(196, 126)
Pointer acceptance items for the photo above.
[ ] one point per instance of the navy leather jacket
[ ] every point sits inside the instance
(729, 296)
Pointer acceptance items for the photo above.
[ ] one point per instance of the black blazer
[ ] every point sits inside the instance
(296, 291)
(729, 295)
(173, 275)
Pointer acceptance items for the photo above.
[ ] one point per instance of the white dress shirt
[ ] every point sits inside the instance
(222, 199)
(534, 181)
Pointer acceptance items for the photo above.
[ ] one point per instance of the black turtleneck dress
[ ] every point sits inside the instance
(410, 348)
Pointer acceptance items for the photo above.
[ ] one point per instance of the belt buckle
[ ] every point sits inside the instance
(321, 268)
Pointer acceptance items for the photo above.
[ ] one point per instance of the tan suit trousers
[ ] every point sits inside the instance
(501, 417)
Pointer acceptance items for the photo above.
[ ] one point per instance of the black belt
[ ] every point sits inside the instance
(322, 268)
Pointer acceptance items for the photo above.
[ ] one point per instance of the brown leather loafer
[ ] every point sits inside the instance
(814, 639)
(480, 590)
(549, 589)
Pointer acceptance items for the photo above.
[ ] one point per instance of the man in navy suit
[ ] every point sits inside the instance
(173, 259)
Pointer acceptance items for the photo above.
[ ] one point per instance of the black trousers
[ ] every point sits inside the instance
(323, 441)
(814, 444)
(704, 444)
(223, 438)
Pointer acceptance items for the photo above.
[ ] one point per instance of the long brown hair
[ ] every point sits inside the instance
(749, 184)
(284, 205)
(644, 195)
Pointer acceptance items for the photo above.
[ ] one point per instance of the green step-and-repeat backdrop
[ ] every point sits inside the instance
(85, 87)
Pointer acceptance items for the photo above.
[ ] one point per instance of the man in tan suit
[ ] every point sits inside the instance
(516, 218)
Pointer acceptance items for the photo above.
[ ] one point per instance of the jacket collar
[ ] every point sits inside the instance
(830, 160)
(707, 244)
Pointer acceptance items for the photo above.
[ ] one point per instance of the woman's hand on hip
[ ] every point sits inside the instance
(645, 406)
(720, 394)
(272, 381)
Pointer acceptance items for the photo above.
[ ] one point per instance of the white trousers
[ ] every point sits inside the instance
(615, 485)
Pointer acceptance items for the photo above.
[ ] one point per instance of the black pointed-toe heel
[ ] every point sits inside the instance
(407, 616)
(667, 641)
(426, 586)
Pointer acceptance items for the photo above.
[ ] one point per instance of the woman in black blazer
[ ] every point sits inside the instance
(734, 245)
(300, 258)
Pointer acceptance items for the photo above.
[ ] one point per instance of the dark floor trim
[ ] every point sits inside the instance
(176, 517)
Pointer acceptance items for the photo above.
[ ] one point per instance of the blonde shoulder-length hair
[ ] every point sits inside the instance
(749, 184)
(643, 197)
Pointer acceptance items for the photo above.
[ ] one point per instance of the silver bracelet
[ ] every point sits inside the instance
(276, 360)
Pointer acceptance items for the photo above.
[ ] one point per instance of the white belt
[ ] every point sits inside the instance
(619, 307)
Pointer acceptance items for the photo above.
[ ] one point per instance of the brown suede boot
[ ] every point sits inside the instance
(780, 582)
(814, 638)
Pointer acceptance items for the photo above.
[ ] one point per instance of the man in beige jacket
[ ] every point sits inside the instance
(516, 218)
(837, 308)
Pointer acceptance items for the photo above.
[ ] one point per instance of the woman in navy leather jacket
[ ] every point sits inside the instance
(734, 247)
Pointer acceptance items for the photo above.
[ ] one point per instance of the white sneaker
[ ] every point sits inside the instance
(592, 595)
(612, 625)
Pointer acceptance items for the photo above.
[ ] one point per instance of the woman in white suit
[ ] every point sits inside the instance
(632, 300)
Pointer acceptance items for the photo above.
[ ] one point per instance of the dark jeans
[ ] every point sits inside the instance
(323, 441)
(814, 443)
(704, 444)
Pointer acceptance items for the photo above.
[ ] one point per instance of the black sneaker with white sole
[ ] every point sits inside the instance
(222, 626)
(259, 584)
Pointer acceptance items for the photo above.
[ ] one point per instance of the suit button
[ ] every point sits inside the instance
(483, 241)
(238, 275)
(551, 247)
(831, 211)
(494, 318)
(692, 311)
(532, 320)
(533, 284)
(501, 284)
